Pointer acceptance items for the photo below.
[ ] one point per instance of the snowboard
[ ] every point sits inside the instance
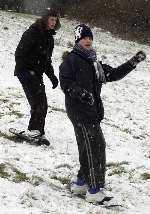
(33, 140)
(105, 203)
(107, 198)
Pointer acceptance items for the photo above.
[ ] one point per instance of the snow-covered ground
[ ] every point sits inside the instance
(34, 179)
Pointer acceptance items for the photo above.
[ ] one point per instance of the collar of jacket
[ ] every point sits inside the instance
(50, 32)
(82, 56)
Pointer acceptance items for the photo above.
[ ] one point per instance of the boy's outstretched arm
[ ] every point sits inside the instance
(114, 74)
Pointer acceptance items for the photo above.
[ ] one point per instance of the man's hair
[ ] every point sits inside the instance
(42, 22)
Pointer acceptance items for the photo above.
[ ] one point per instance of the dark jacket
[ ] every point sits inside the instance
(77, 73)
(34, 51)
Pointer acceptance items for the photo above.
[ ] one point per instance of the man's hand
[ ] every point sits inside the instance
(54, 81)
(139, 57)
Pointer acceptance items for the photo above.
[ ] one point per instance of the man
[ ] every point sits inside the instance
(81, 79)
(33, 58)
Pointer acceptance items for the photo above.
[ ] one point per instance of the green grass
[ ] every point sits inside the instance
(4, 100)
(10, 108)
(65, 165)
(64, 180)
(8, 171)
(117, 164)
(36, 181)
(19, 176)
(117, 171)
(16, 113)
(10, 137)
(145, 176)
(14, 174)
(57, 109)
(117, 168)
(3, 172)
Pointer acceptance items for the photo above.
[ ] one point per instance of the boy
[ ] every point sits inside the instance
(81, 79)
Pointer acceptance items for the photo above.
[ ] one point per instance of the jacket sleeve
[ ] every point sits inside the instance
(26, 43)
(49, 70)
(67, 80)
(114, 74)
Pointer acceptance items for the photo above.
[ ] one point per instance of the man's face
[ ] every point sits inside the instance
(51, 22)
(86, 42)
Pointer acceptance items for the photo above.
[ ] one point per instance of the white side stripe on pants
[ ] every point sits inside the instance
(89, 155)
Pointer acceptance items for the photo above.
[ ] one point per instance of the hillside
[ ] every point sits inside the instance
(34, 179)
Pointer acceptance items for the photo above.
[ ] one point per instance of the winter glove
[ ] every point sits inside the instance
(139, 57)
(81, 94)
(87, 98)
(54, 81)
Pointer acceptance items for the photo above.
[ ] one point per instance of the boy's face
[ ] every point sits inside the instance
(51, 22)
(86, 42)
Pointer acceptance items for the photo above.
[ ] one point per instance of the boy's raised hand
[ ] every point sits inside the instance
(137, 58)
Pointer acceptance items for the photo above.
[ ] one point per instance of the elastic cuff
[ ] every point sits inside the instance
(94, 190)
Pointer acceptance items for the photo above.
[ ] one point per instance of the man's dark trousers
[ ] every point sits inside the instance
(34, 89)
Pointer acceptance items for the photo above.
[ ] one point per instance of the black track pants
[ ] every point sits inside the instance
(35, 92)
(92, 157)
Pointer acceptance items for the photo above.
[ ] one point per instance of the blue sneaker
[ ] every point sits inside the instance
(78, 186)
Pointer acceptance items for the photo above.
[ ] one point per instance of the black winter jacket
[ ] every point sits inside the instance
(34, 51)
(76, 73)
